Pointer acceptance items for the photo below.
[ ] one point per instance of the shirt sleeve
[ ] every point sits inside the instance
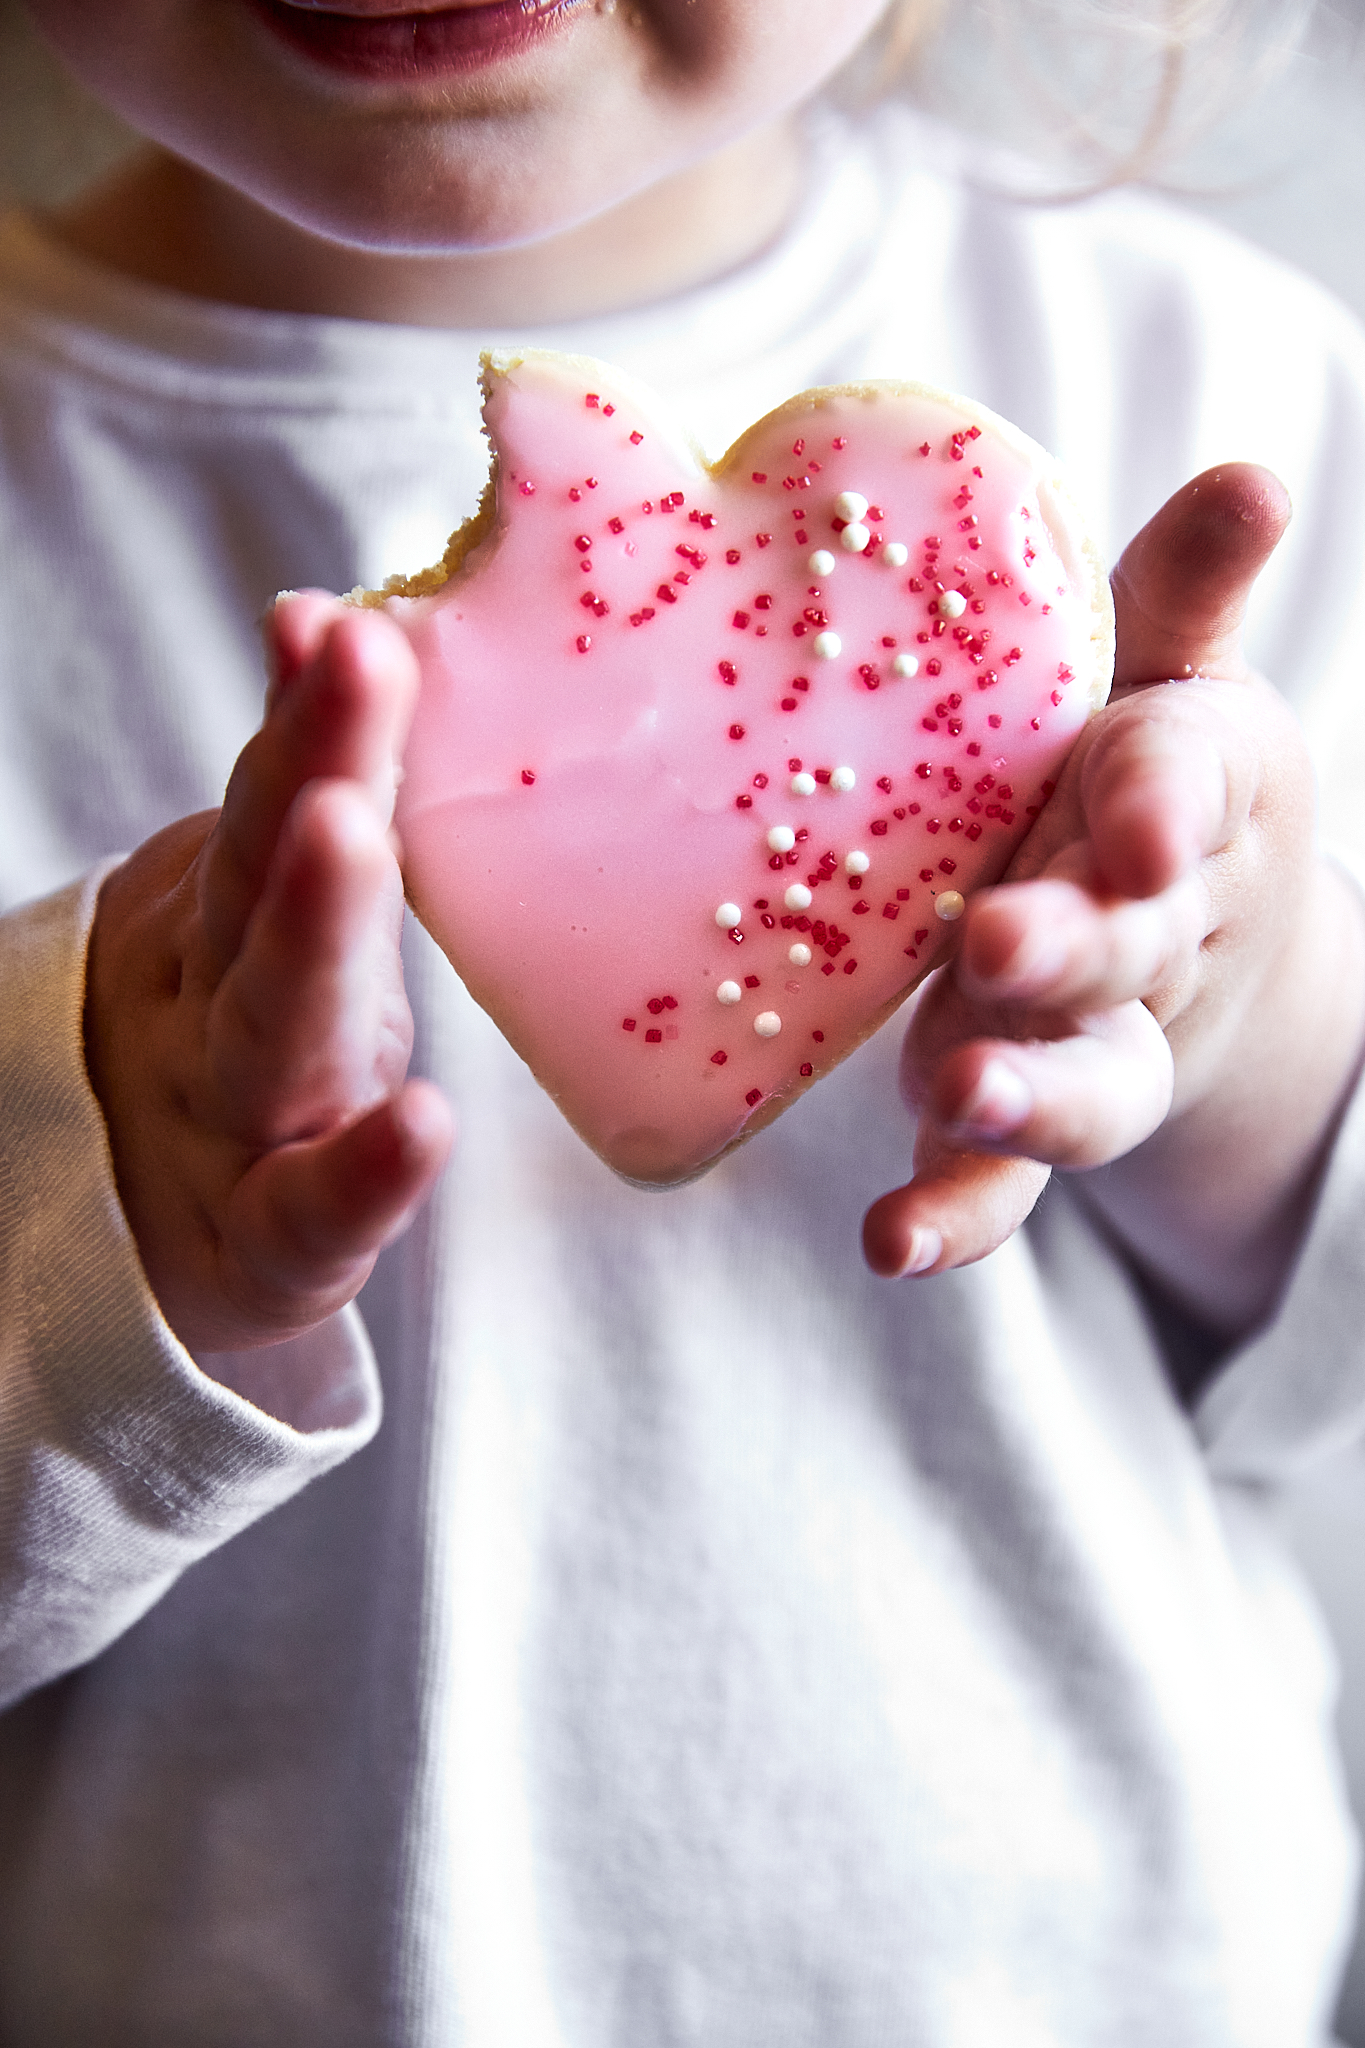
(122, 1460)
(1296, 1392)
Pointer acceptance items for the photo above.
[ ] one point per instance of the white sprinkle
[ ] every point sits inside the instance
(798, 897)
(856, 863)
(821, 563)
(952, 604)
(855, 538)
(895, 554)
(729, 992)
(781, 839)
(849, 505)
(767, 1023)
(828, 646)
(800, 956)
(950, 905)
(905, 665)
(728, 916)
(802, 784)
(843, 779)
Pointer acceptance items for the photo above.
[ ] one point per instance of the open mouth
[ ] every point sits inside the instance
(431, 43)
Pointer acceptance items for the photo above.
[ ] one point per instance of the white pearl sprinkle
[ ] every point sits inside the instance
(850, 505)
(781, 839)
(950, 905)
(905, 665)
(802, 784)
(856, 863)
(821, 563)
(855, 538)
(895, 554)
(798, 897)
(828, 646)
(843, 779)
(729, 992)
(952, 604)
(800, 956)
(767, 1023)
(728, 916)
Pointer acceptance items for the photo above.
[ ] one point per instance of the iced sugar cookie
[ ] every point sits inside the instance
(708, 757)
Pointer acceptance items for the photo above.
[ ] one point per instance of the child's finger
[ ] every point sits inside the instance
(307, 1221)
(310, 1024)
(1181, 587)
(346, 716)
(292, 631)
(1074, 1101)
(1170, 779)
(960, 1206)
(1052, 944)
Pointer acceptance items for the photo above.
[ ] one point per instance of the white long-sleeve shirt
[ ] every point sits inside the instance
(714, 1645)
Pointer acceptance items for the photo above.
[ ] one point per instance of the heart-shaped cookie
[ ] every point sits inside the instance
(707, 757)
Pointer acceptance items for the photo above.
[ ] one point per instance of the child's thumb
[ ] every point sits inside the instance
(1181, 587)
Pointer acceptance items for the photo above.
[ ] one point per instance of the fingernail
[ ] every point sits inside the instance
(926, 1249)
(1035, 961)
(998, 1104)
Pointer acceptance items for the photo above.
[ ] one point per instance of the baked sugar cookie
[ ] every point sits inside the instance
(709, 757)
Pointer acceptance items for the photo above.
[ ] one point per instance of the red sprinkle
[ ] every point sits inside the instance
(608, 410)
(806, 1071)
(744, 803)
(741, 620)
(718, 1059)
(850, 967)
(760, 476)
(582, 543)
(728, 672)
(593, 399)
(736, 732)
(819, 1037)
(627, 1023)
(732, 555)
(636, 438)
(754, 1095)
(617, 525)
(584, 642)
(654, 1038)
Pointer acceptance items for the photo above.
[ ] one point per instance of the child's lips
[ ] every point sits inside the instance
(371, 39)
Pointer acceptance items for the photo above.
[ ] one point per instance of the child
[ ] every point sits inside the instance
(716, 1644)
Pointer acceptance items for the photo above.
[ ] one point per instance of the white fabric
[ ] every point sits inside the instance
(715, 1645)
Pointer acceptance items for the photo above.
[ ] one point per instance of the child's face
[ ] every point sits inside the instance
(459, 124)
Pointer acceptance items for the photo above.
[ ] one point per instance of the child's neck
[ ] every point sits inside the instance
(166, 222)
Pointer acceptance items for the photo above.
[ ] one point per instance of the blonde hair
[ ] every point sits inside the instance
(1098, 91)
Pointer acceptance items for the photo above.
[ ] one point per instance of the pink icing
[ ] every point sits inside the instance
(618, 679)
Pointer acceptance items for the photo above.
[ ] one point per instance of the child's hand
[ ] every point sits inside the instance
(1168, 962)
(247, 1032)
